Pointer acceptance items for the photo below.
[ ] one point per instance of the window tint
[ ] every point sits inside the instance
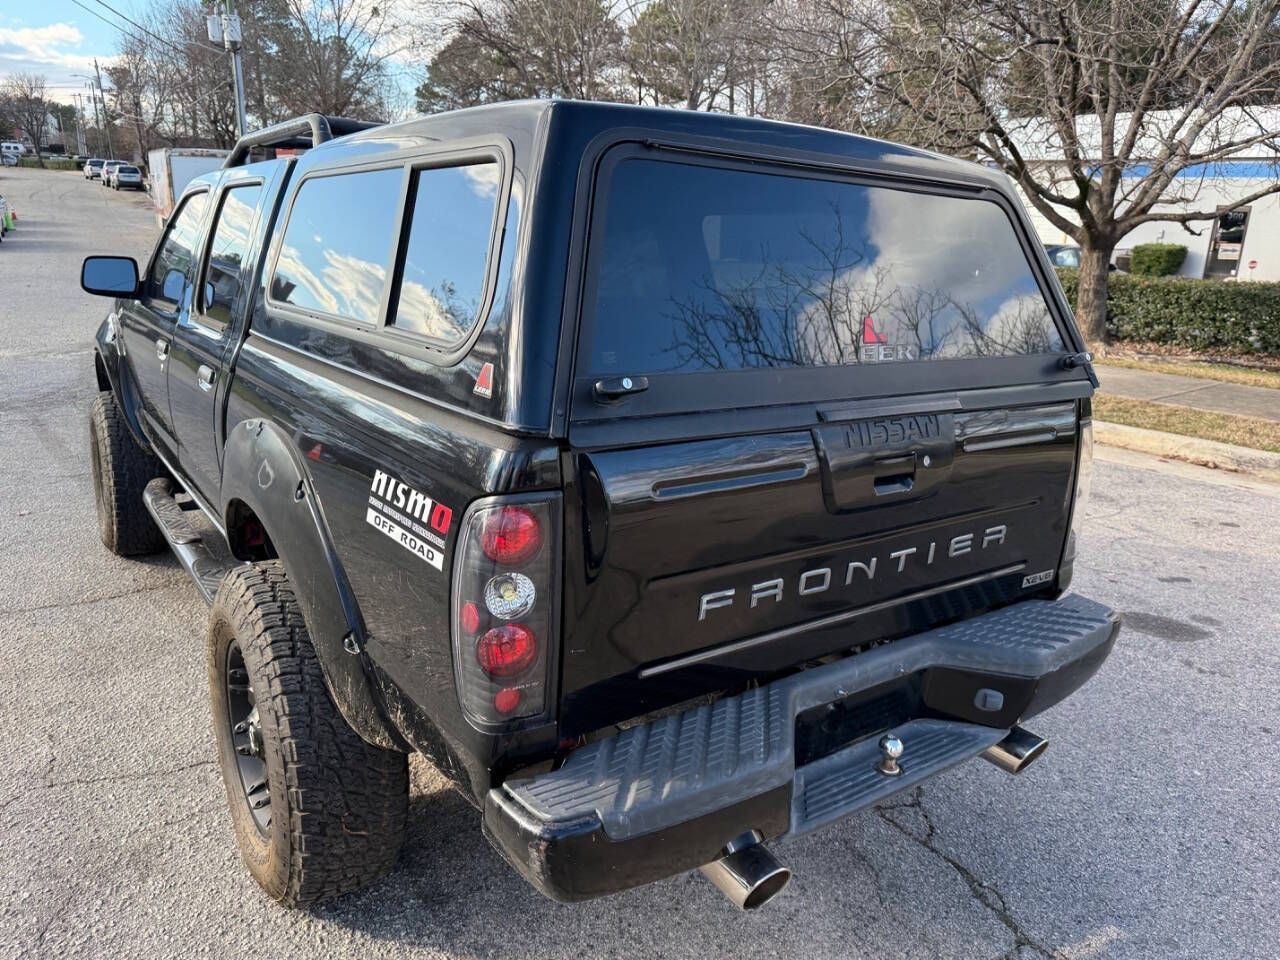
(227, 251)
(333, 258)
(442, 280)
(171, 270)
(697, 268)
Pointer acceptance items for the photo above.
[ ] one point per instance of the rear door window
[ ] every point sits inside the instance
(442, 279)
(336, 247)
(222, 278)
(700, 268)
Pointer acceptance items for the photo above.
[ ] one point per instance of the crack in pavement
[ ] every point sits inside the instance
(48, 784)
(981, 891)
(53, 915)
(90, 600)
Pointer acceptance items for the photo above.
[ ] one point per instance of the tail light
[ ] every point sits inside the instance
(506, 608)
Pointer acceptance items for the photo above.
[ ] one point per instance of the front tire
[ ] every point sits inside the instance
(121, 471)
(317, 811)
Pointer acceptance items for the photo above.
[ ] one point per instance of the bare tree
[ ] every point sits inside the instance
(504, 49)
(679, 52)
(1107, 113)
(24, 102)
(332, 56)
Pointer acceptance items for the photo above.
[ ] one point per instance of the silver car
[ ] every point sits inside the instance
(126, 175)
(109, 170)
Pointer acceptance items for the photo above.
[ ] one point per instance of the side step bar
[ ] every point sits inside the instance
(204, 566)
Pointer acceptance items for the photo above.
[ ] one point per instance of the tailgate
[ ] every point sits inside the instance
(706, 563)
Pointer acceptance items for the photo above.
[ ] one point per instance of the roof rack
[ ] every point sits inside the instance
(308, 130)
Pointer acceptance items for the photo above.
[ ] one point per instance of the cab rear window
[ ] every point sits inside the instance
(696, 268)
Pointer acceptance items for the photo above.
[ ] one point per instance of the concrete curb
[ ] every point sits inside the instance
(1209, 453)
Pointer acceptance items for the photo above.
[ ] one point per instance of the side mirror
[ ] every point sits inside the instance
(175, 284)
(110, 277)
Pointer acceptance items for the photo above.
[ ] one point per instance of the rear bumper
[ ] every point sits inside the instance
(666, 796)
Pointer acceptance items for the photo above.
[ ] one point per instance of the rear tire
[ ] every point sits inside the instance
(121, 471)
(317, 811)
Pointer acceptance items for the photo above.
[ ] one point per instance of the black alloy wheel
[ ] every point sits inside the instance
(245, 731)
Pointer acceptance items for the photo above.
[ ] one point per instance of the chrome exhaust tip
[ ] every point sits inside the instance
(748, 874)
(1017, 751)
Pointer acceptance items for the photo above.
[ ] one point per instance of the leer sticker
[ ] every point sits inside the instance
(484, 382)
(1031, 579)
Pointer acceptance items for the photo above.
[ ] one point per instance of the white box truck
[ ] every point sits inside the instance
(172, 168)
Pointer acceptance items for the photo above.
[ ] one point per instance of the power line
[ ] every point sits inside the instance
(154, 36)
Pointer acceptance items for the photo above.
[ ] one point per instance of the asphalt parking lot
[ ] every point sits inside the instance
(1148, 830)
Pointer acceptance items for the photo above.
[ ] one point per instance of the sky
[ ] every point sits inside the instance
(58, 39)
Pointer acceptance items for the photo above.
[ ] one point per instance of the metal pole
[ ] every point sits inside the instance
(231, 40)
(96, 122)
(111, 151)
(79, 129)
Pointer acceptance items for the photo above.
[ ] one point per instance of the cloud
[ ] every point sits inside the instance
(39, 48)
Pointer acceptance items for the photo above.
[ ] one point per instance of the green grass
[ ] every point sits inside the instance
(1223, 427)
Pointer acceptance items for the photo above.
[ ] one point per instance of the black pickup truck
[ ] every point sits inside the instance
(674, 482)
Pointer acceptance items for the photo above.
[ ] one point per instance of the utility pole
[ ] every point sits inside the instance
(81, 149)
(111, 151)
(96, 122)
(226, 27)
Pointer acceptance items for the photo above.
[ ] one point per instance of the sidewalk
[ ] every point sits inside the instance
(1194, 392)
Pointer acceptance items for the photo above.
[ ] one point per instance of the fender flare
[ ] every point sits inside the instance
(263, 470)
(108, 366)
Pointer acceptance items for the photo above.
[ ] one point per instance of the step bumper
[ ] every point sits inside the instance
(664, 797)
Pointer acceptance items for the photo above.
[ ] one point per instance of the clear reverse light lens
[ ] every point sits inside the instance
(509, 595)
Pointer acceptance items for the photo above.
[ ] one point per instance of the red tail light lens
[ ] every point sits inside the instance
(506, 700)
(511, 535)
(506, 651)
(470, 617)
(505, 608)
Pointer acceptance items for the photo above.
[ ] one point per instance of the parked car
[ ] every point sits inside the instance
(93, 168)
(1063, 254)
(1067, 256)
(12, 149)
(8, 159)
(109, 170)
(126, 176)
(533, 437)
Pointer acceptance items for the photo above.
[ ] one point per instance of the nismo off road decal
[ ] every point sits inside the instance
(409, 517)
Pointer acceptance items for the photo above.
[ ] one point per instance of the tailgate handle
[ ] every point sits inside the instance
(866, 462)
(894, 475)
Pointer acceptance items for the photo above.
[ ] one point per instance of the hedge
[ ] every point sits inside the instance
(50, 163)
(1230, 316)
(1157, 259)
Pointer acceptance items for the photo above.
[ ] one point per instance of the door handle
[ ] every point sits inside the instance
(162, 350)
(204, 374)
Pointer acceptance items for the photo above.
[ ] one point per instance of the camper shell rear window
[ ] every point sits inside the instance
(696, 267)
